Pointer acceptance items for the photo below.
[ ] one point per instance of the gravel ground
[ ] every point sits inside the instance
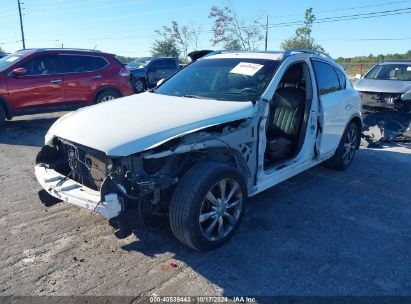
(319, 233)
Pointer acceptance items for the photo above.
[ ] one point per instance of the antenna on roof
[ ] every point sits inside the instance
(95, 47)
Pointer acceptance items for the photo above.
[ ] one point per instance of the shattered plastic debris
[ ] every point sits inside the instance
(386, 126)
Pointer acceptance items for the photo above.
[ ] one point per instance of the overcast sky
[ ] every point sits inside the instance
(126, 27)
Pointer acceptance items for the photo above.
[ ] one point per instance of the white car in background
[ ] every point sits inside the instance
(224, 128)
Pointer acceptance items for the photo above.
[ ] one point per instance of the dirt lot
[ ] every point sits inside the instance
(320, 233)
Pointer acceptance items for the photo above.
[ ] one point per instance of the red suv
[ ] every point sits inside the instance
(45, 80)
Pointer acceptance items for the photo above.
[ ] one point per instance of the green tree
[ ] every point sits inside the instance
(1, 50)
(165, 48)
(302, 38)
(232, 32)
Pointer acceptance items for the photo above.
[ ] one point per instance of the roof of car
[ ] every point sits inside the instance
(77, 50)
(388, 61)
(246, 55)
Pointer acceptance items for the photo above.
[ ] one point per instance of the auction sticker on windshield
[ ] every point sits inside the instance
(409, 68)
(245, 68)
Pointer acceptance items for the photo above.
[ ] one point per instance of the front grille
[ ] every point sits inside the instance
(88, 167)
(388, 98)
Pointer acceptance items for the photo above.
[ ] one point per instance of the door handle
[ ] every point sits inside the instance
(96, 77)
(348, 106)
(56, 81)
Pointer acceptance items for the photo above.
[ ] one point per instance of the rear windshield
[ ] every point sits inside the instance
(9, 60)
(394, 71)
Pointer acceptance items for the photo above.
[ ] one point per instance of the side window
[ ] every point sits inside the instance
(80, 64)
(342, 78)
(169, 64)
(327, 79)
(42, 65)
(99, 63)
(159, 64)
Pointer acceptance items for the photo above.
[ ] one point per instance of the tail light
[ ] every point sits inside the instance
(124, 72)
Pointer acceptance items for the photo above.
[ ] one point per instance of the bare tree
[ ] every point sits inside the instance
(233, 32)
(184, 37)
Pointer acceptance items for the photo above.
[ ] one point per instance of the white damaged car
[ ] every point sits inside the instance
(219, 131)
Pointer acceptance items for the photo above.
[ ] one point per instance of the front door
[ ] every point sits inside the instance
(42, 86)
(332, 116)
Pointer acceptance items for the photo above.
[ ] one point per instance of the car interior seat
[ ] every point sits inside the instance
(286, 115)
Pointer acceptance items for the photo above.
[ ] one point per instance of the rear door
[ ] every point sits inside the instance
(42, 86)
(82, 76)
(333, 115)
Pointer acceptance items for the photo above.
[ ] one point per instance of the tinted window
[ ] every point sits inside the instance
(327, 80)
(164, 64)
(41, 65)
(169, 63)
(80, 64)
(343, 79)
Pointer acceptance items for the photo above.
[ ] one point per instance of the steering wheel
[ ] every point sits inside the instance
(250, 90)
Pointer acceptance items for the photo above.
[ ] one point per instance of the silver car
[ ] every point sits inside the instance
(387, 86)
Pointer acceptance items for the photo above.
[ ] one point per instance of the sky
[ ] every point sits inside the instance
(127, 27)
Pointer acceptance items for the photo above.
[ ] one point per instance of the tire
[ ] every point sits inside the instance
(345, 152)
(107, 95)
(139, 85)
(197, 222)
(2, 117)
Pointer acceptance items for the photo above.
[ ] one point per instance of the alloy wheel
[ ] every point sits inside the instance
(350, 145)
(221, 209)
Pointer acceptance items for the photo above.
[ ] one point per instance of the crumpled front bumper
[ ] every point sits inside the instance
(72, 192)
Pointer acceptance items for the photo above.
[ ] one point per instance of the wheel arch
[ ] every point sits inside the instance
(104, 89)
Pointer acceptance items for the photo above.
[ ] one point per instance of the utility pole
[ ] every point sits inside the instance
(21, 25)
(266, 34)
(265, 27)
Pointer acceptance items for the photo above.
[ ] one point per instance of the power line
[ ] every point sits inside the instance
(347, 9)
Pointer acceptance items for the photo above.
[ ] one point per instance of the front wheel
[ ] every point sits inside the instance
(208, 205)
(345, 152)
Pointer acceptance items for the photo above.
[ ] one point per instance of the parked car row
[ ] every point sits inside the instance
(224, 128)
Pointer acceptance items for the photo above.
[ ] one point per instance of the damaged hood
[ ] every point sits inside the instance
(136, 123)
(382, 86)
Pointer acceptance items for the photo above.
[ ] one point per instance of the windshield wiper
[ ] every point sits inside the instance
(197, 96)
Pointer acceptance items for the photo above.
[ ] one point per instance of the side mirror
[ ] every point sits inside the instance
(19, 72)
(358, 76)
(160, 81)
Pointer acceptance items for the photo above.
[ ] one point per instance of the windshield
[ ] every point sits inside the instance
(139, 63)
(9, 60)
(395, 71)
(232, 79)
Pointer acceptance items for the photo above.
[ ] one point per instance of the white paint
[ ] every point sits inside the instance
(243, 55)
(135, 123)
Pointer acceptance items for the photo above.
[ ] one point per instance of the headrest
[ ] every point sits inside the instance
(293, 74)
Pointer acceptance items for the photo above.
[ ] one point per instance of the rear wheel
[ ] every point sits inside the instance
(2, 117)
(345, 153)
(107, 95)
(208, 205)
(139, 85)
